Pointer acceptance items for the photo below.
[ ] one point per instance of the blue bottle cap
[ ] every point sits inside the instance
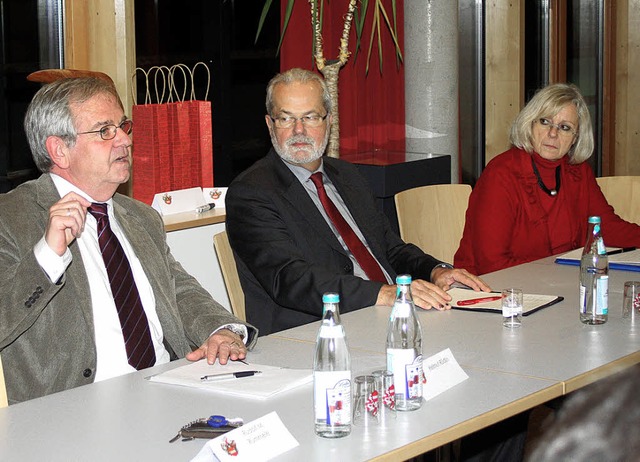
(403, 279)
(330, 297)
(594, 219)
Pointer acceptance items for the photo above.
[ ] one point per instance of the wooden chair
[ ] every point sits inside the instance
(3, 390)
(432, 217)
(623, 194)
(230, 274)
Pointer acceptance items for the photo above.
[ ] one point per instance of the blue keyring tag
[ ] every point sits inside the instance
(217, 421)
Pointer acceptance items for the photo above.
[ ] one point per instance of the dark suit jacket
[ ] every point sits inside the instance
(46, 329)
(287, 255)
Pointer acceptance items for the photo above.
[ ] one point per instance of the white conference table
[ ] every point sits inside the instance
(552, 343)
(129, 418)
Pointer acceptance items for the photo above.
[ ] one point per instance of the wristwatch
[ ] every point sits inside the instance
(239, 331)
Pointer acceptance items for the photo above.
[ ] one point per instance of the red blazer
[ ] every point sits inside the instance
(506, 224)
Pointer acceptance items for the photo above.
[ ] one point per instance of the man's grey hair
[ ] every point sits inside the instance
(49, 113)
(301, 76)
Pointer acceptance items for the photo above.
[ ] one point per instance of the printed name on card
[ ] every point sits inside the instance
(259, 440)
(442, 372)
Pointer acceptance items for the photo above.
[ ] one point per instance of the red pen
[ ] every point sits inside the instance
(475, 301)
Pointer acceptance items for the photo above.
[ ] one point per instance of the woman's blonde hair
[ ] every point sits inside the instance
(546, 103)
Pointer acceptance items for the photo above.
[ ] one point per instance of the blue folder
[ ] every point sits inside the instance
(612, 265)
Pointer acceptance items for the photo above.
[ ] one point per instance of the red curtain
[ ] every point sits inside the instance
(371, 105)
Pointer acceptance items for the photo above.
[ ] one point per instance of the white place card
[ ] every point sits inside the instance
(442, 372)
(183, 200)
(259, 440)
(215, 195)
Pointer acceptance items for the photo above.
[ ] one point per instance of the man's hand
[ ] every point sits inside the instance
(427, 295)
(223, 345)
(66, 222)
(444, 277)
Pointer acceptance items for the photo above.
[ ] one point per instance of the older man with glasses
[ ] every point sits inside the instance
(88, 285)
(302, 224)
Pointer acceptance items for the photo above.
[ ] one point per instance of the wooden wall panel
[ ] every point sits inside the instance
(627, 121)
(504, 74)
(100, 36)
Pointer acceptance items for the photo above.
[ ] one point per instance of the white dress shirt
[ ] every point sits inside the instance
(110, 348)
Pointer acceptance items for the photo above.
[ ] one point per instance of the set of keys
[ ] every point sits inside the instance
(208, 427)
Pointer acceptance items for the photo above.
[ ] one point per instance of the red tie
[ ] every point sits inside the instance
(355, 245)
(133, 320)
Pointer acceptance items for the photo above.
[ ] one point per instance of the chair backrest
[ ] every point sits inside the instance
(3, 389)
(432, 217)
(623, 194)
(230, 274)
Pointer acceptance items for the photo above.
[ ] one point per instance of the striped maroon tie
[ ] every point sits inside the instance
(133, 320)
(355, 245)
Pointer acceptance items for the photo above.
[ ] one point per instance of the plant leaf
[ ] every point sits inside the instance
(263, 16)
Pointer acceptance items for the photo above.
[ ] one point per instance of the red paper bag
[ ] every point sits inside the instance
(173, 141)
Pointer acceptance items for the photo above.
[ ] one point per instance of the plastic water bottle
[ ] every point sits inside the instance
(404, 348)
(594, 277)
(332, 374)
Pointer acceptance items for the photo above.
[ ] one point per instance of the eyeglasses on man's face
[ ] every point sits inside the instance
(310, 121)
(562, 129)
(109, 132)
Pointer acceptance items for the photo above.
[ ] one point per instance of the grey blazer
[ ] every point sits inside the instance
(46, 328)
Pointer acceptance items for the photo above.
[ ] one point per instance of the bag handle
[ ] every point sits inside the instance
(206, 94)
(173, 88)
(163, 71)
(167, 86)
(190, 72)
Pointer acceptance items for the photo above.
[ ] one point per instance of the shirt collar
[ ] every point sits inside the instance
(64, 187)
(301, 173)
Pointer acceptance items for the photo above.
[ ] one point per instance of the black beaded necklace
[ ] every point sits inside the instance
(551, 192)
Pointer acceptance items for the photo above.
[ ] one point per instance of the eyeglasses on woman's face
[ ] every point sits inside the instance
(563, 129)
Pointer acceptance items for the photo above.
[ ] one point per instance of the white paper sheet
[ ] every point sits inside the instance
(271, 381)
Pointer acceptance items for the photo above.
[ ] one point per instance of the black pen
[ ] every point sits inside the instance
(623, 250)
(204, 208)
(231, 375)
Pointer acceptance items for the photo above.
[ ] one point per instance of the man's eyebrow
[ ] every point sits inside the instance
(102, 123)
(312, 111)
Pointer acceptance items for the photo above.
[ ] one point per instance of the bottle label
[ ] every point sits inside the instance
(408, 376)
(331, 331)
(401, 310)
(332, 397)
(602, 295)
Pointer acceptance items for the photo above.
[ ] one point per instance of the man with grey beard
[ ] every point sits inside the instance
(301, 224)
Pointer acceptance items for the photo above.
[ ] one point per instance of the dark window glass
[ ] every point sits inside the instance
(28, 36)
(221, 34)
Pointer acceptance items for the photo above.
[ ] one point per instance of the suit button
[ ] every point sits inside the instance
(39, 290)
(28, 303)
(87, 372)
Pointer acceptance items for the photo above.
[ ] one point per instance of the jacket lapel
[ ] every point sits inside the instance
(294, 193)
